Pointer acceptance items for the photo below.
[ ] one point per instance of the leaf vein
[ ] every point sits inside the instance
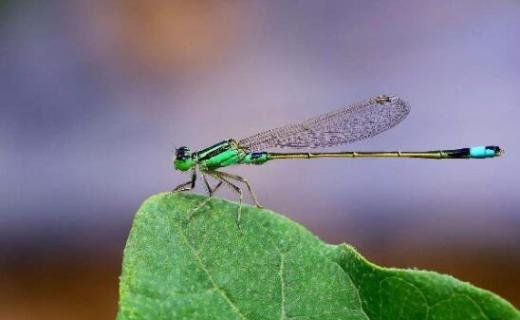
(283, 315)
(232, 305)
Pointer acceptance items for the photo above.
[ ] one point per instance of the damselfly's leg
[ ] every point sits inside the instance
(211, 190)
(216, 175)
(186, 186)
(243, 180)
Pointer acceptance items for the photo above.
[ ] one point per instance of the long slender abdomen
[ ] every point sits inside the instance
(480, 152)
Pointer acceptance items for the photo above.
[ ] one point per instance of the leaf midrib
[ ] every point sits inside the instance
(194, 253)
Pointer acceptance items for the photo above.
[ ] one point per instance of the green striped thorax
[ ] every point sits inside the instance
(222, 154)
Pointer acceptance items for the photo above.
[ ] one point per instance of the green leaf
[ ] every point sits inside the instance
(205, 268)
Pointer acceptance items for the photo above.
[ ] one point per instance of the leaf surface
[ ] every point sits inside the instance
(205, 268)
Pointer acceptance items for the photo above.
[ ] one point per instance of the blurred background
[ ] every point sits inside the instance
(95, 96)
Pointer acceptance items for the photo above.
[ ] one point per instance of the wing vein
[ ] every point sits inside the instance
(348, 124)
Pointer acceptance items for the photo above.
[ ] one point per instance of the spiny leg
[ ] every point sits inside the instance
(211, 191)
(243, 180)
(186, 186)
(216, 175)
(192, 211)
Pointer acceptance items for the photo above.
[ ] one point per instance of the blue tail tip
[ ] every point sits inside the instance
(480, 152)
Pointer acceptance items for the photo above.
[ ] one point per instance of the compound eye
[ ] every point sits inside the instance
(182, 153)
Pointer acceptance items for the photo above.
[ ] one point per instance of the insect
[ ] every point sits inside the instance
(348, 124)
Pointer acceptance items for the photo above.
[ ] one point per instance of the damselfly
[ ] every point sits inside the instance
(348, 124)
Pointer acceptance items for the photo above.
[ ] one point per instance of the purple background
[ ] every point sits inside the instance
(96, 95)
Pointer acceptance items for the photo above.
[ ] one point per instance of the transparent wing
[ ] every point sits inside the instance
(348, 124)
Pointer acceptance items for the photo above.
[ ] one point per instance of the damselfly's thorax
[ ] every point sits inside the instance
(222, 154)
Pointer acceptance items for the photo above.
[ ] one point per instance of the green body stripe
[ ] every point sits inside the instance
(213, 150)
(223, 159)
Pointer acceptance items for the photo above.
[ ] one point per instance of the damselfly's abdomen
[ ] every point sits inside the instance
(256, 158)
(485, 152)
